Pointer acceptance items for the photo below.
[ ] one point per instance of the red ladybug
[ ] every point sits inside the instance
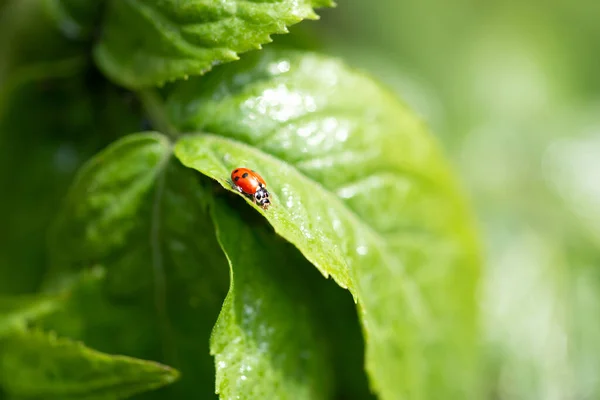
(252, 184)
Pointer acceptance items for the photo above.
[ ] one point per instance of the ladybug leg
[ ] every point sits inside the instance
(251, 197)
(233, 185)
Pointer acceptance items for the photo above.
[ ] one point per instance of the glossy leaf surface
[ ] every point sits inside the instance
(359, 186)
(149, 43)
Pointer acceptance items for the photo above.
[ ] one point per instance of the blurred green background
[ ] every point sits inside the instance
(512, 89)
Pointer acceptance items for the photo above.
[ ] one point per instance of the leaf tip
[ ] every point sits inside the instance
(169, 375)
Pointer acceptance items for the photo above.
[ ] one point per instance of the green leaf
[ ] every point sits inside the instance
(17, 311)
(149, 43)
(36, 365)
(266, 342)
(360, 187)
(106, 192)
(135, 211)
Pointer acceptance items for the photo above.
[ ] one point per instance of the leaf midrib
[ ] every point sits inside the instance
(153, 16)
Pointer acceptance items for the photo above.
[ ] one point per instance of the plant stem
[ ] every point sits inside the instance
(155, 110)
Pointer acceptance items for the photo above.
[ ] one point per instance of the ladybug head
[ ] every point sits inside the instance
(261, 197)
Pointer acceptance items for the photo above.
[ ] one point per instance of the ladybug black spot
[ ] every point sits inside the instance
(236, 178)
(245, 175)
(235, 172)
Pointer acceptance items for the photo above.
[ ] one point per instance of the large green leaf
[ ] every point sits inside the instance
(360, 187)
(148, 43)
(266, 342)
(35, 365)
(134, 210)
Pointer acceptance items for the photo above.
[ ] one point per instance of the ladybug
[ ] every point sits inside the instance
(250, 183)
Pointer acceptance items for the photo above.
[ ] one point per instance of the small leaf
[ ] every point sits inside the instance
(136, 212)
(266, 342)
(17, 311)
(36, 365)
(360, 187)
(149, 43)
(112, 186)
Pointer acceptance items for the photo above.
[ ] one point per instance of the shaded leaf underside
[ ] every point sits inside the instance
(267, 342)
